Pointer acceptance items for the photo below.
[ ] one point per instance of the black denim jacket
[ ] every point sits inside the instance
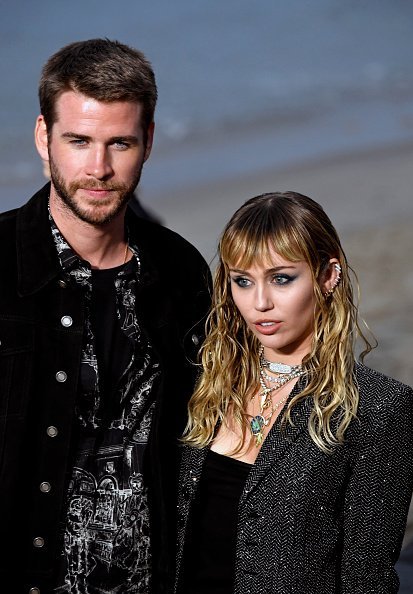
(38, 350)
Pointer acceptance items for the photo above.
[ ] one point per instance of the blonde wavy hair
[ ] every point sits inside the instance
(297, 228)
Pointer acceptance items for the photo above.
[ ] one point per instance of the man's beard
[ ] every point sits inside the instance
(93, 213)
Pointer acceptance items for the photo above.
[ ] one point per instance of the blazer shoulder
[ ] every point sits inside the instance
(191, 460)
(382, 395)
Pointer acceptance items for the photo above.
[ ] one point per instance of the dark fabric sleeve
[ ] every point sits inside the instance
(378, 495)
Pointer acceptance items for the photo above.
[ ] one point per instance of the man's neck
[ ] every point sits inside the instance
(103, 246)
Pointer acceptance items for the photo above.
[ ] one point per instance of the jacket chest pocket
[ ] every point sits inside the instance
(16, 349)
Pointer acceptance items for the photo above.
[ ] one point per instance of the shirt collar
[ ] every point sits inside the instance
(69, 260)
(37, 261)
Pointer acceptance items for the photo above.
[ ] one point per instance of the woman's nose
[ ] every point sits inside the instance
(263, 299)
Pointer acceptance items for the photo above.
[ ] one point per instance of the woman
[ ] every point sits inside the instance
(297, 463)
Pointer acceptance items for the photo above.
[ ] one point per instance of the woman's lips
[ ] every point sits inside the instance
(267, 327)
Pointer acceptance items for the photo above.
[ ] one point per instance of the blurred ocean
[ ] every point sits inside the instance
(243, 85)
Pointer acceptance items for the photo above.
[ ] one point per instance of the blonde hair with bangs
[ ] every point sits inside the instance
(297, 228)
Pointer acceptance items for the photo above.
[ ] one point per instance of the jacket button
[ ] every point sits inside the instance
(38, 542)
(66, 321)
(51, 431)
(195, 339)
(34, 591)
(61, 376)
(45, 487)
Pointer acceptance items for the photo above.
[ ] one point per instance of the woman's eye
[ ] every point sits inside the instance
(282, 279)
(241, 282)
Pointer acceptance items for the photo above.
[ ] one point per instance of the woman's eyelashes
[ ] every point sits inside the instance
(282, 279)
(241, 281)
(276, 279)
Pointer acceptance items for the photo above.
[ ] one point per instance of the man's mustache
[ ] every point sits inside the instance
(93, 185)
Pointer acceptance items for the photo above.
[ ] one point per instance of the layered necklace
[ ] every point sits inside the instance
(286, 373)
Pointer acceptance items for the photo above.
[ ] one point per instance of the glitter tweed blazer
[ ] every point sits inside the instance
(316, 523)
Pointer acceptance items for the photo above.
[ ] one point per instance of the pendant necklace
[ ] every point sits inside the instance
(260, 421)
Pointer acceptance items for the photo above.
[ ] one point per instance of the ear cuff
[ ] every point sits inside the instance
(336, 281)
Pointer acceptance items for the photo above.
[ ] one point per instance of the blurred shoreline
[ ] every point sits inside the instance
(367, 194)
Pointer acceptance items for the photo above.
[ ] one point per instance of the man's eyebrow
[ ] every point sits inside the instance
(130, 139)
(76, 136)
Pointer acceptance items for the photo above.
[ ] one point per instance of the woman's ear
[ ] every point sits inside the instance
(41, 138)
(330, 277)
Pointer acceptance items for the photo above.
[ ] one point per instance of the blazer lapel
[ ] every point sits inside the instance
(279, 441)
(192, 461)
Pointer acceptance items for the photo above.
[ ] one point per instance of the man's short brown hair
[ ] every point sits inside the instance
(102, 69)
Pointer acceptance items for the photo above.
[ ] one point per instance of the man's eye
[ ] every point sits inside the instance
(121, 145)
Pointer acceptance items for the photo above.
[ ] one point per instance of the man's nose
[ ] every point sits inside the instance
(99, 163)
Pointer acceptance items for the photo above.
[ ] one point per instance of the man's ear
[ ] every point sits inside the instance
(330, 277)
(149, 140)
(41, 138)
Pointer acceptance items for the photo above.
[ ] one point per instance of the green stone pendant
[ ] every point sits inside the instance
(256, 425)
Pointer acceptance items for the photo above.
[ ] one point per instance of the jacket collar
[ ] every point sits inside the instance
(37, 262)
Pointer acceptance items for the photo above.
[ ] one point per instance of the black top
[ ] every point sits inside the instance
(113, 349)
(209, 558)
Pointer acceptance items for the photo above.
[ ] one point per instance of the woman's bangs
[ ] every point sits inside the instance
(243, 248)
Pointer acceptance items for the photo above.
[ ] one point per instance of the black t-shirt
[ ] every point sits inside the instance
(113, 348)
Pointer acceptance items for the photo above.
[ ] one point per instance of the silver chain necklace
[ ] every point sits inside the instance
(260, 421)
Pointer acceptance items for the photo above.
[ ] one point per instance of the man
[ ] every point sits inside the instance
(101, 316)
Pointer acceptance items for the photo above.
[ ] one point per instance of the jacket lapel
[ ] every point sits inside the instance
(192, 462)
(279, 441)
